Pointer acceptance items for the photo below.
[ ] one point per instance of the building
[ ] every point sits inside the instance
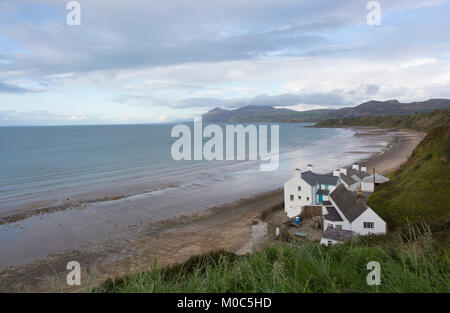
(358, 178)
(353, 177)
(368, 183)
(306, 189)
(333, 236)
(346, 211)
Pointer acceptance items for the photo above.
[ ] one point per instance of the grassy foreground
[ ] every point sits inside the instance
(410, 263)
(414, 257)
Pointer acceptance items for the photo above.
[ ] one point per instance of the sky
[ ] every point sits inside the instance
(153, 61)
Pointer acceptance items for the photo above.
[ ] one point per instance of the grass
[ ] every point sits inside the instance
(418, 191)
(409, 263)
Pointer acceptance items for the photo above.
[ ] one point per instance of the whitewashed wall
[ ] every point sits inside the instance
(324, 241)
(369, 187)
(369, 216)
(292, 208)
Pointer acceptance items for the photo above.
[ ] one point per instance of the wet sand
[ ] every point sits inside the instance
(226, 227)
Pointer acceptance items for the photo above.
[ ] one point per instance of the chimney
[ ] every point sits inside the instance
(360, 196)
(297, 172)
(336, 173)
(343, 171)
(364, 169)
(309, 167)
(355, 167)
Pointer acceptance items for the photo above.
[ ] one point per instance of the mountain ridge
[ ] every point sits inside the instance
(268, 114)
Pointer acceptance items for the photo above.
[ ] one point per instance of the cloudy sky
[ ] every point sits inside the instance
(147, 61)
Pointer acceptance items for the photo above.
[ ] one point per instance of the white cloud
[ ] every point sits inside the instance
(418, 62)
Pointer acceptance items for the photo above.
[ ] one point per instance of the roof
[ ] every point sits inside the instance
(312, 179)
(337, 234)
(333, 215)
(348, 203)
(323, 192)
(349, 179)
(379, 179)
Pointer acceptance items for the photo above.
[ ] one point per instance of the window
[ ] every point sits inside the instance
(292, 197)
(368, 224)
(330, 242)
(330, 225)
(299, 188)
(307, 198)
(338, 226)
(299, 197)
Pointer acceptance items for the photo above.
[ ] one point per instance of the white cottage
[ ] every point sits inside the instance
(307, 188)
(346, 211)
(353, 177)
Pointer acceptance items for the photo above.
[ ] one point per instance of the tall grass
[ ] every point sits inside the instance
(412, 262)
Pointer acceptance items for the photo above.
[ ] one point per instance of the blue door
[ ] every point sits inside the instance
(320, 198)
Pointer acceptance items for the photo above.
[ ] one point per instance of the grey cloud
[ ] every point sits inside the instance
(115, 35)
(335, 98)
(9, 88)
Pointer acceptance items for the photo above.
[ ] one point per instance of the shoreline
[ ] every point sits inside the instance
(226, 227)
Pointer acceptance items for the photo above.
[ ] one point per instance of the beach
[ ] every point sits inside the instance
(222, 227)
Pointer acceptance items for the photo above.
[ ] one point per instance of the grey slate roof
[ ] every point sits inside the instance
(337, 234)
(332, 215)
(348, 202)
(312, 179)
(323, 192)
(348, 179)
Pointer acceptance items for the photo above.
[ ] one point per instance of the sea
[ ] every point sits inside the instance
(103, 184)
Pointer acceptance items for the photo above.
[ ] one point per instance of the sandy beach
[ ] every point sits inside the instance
(226, 227)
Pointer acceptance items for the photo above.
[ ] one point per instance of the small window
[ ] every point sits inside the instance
(338, 226)
(299, 188)
(299, 197)
(292, 197)
(330, 225)
(330, 242)
(368, 225)
(307, 198)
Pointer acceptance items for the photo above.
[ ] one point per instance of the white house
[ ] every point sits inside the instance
(353, 177)
(307, 188)
(368, 184)
(347, 212)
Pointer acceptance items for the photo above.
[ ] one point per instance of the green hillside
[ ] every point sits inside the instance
(419, 190)
(419, 122)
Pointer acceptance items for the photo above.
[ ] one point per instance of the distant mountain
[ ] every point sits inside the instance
(266, 114)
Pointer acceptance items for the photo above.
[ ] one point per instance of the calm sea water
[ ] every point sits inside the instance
(123, 176)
